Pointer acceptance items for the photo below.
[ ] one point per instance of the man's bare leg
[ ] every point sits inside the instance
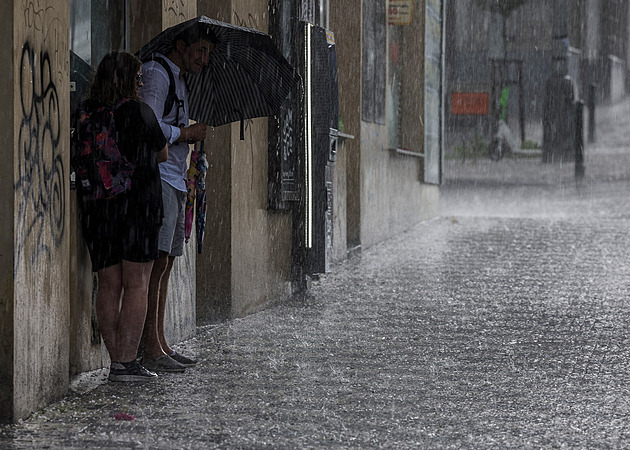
(163, 294)
(155, 356)
(152, 346)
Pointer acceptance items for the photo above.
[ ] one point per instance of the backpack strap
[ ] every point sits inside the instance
(171, 97)
(118, 104)
(121, 102)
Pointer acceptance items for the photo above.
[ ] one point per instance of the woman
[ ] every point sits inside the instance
(121, 233)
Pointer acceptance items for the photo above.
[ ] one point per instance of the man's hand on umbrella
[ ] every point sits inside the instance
(193, 133)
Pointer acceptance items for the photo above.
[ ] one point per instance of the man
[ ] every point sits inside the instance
(189, 54)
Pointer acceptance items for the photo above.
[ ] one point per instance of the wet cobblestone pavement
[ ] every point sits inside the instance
(504, 323)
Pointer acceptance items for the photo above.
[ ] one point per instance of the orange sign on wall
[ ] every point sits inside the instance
(470, 103)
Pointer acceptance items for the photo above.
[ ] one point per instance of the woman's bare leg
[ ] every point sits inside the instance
(108, 307)
(135, 280)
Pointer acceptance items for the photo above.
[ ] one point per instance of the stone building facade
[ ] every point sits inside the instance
(385, 178)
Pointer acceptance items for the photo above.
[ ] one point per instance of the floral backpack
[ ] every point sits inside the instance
(101, 170)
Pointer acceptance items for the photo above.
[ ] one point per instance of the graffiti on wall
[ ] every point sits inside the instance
(175, 11)
(40, 182)
(34, 14)
(250, 21)
(40, 174)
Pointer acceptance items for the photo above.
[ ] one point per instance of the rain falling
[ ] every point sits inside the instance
(407, 227)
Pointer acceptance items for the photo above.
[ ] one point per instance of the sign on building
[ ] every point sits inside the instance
(476, 103)
(400, 12)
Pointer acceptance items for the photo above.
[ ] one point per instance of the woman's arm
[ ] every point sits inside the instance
(162, 155)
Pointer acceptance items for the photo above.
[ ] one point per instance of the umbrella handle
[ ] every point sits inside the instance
(199, 147)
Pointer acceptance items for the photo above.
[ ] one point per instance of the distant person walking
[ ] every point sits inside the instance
(165, 91)
(121, 230)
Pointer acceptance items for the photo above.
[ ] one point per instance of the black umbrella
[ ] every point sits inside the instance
(246, 77)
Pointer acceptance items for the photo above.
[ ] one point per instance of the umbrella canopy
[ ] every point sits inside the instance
(246, 77)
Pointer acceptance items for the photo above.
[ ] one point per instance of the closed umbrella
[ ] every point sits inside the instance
(246, 76)
(200, 200)
(192, 176)
(196, 199)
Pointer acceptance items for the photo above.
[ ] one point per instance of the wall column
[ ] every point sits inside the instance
(34, 247)
(7, 309)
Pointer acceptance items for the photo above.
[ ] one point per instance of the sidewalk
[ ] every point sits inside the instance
(500, 326)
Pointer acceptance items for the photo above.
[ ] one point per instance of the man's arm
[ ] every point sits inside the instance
(154, 92)
(192, 133)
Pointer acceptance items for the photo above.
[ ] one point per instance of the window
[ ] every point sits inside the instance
(374, 62)
(96, 28)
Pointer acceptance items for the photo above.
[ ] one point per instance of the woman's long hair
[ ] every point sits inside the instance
(115, 78)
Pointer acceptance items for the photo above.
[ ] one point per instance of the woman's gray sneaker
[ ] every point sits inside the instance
(163, 364)
(131, 371)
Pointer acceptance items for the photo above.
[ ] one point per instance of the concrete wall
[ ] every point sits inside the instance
(261, 238)
(393, 197)
(340, 207)
(87, 350)
(246, 260)
(617, 79)
(345, 22)
(7, 135)
(40, 203)
(145, 21)
(214, 264)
